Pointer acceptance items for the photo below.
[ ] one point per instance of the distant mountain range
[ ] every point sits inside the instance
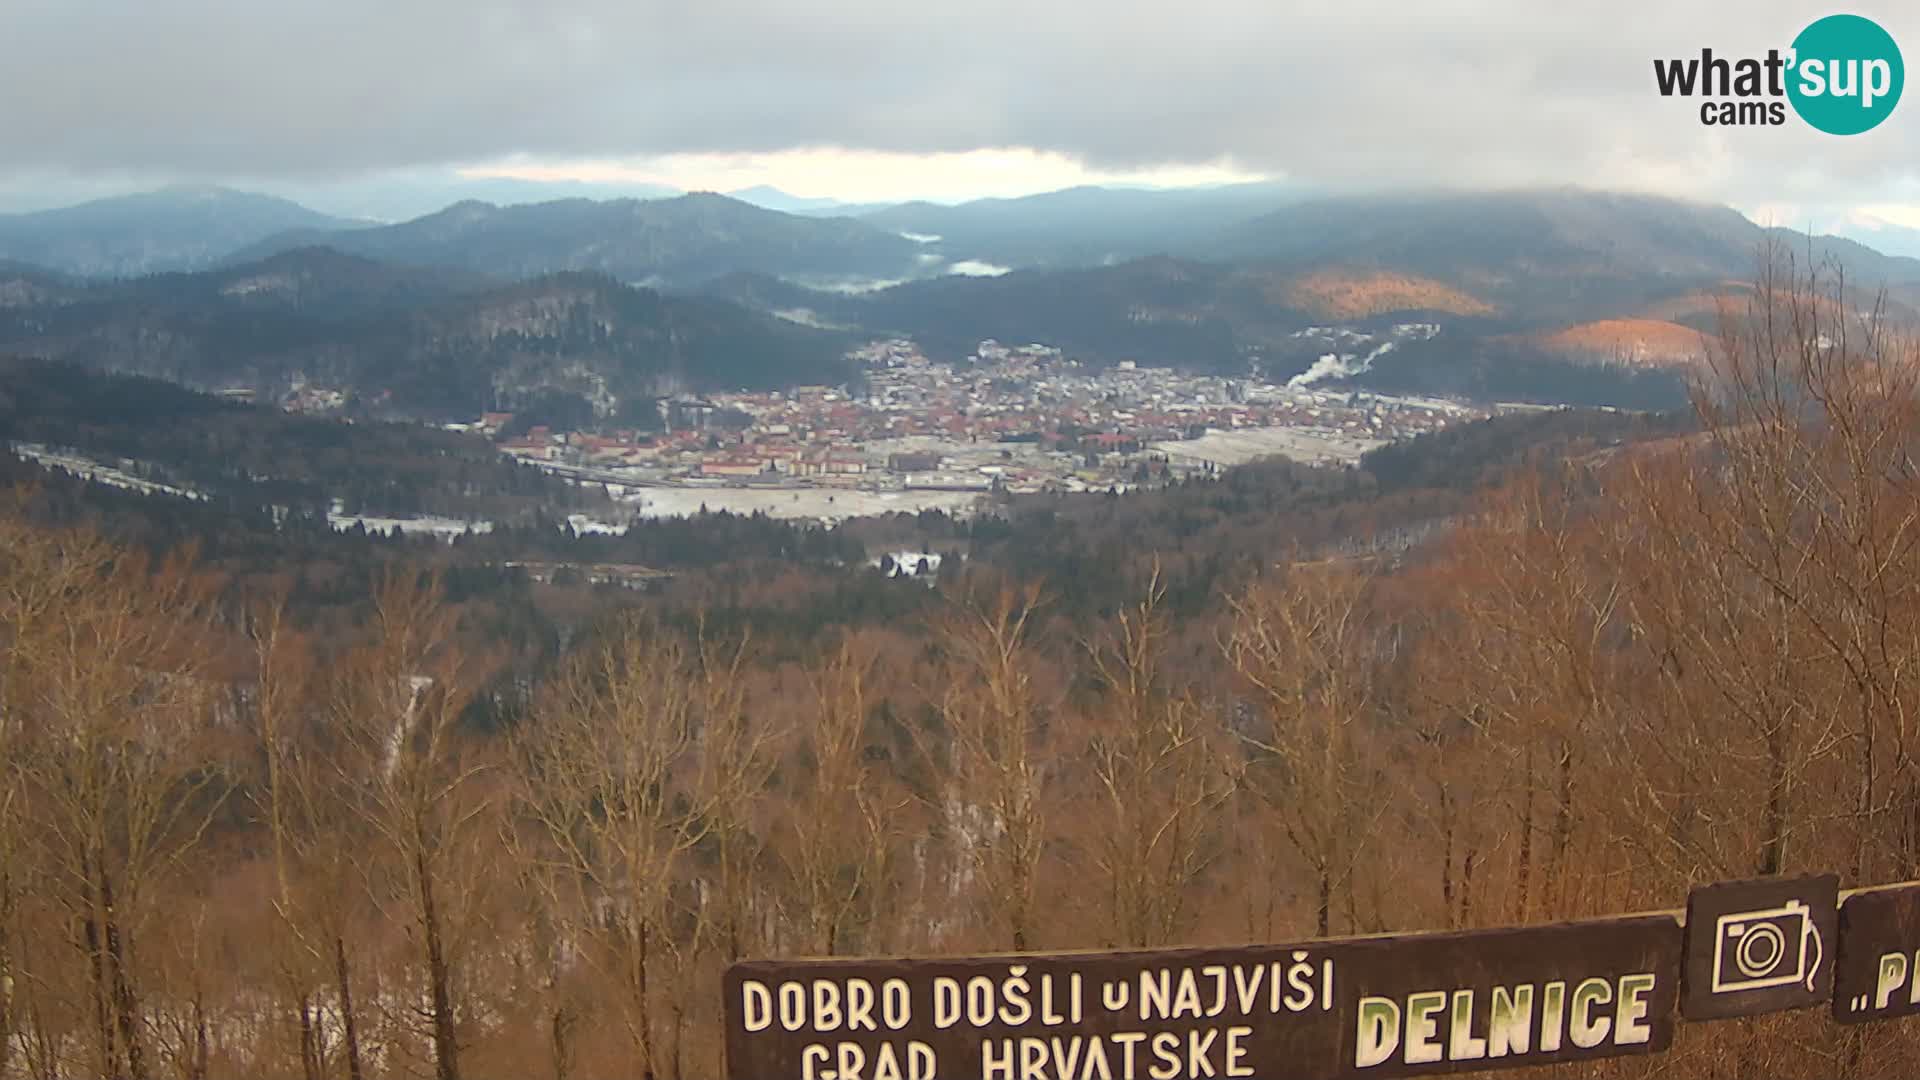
(677, 242)
(402, 198)
(1085, 226)
(424, 342)
(1537, 251)
(772, 198)
(1889, 239)
(1552, 248)
(388, 199)
(176, 228)
(1523, 264)
(1218, 278)
(501, 226)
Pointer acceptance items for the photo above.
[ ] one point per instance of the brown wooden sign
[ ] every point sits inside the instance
(1759, 946)
(1359, 1007)
(1877, 975)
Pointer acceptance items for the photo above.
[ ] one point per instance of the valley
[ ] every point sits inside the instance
(1007, 420)
(1247, 322)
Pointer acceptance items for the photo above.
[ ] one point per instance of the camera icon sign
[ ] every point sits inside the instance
(1759, 946)
(1766, 948)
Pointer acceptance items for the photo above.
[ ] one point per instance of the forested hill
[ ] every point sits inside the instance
(1560, 296)
(416, 340)
(681, 241)
(254, 458)
(784, 581)
(175, 228)
(1487, 452)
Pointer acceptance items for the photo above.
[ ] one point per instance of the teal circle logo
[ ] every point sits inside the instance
(1846, 74)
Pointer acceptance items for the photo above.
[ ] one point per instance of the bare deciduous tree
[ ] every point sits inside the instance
(606, 776)
(840, 851)
(416, 785)
(1304, 649)
(737, 763)
(1156, 754)
(115, 755)
(996, 777)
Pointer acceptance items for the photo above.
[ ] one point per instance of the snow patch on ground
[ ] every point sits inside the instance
(100, 472)
(815, 504)
(445, 528)
(585, 526)
(1305, 445)
(907, 563)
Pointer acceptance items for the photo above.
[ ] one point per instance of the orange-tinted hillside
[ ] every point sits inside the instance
(1348, 294)
(1639, 342)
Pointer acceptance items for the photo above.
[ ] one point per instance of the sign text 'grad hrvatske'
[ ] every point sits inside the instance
(1358, 1007)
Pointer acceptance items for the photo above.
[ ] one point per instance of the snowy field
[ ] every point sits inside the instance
(583, 525)
(820, 504)
(443, 527)
(99, 473)
(1305, 445)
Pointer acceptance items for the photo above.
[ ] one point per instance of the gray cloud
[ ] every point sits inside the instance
(1344, 91)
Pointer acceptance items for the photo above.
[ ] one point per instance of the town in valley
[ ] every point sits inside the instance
(917, 433)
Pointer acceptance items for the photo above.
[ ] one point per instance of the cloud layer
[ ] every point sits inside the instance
(1335, 91)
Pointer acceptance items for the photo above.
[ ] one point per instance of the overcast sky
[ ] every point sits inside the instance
(881, 99)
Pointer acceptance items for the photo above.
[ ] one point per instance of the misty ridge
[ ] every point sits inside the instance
(1537, 294)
